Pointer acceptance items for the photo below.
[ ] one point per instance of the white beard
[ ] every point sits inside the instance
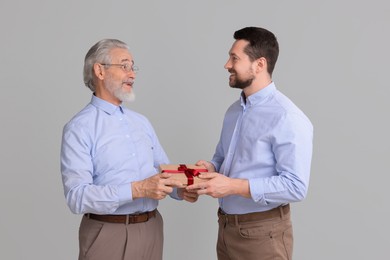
(118, 92)
(124, 96)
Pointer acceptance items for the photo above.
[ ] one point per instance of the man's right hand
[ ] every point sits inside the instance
(155, 187)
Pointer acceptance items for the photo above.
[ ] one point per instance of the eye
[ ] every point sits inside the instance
(127, 67)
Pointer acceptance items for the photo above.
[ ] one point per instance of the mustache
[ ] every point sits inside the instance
(129, 81)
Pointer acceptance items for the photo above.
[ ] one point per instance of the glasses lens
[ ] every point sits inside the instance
(128, 67)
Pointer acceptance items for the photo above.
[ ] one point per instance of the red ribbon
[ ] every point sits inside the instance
(190, 173)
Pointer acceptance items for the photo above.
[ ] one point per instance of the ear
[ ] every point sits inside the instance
(261, 64)
(98, 70)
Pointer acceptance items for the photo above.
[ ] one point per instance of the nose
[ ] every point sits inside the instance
(131, 73)
(228, 65)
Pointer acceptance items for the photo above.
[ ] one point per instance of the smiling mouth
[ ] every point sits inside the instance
(128, 83)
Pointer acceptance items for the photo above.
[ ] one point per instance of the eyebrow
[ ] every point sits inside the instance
(127, 60)
(233, 54)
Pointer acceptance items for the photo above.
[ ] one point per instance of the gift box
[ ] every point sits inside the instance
(187, 174)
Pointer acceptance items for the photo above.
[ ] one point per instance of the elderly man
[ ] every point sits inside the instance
(109, 163)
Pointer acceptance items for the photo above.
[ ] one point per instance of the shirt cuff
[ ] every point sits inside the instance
(125, 193)
(174, 194)
(257, 191)
(216, 165)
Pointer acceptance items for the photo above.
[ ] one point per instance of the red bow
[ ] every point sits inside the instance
(190, 173)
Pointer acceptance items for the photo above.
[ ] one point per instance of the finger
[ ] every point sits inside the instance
(173, 183)
(207, 175)
(191, 198)
(159, 195)
(165, 175)
(190, 191)
(191, 194)
(201, 192)
(201, 163)
(194, 187)
(167, 190)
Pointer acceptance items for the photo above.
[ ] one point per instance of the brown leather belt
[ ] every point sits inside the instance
(125, 219)
(255, 216)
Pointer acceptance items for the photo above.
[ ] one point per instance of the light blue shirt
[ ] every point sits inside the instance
(267, 140)
(105, 148)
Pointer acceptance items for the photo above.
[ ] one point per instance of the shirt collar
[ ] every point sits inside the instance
(105, 106)
(259, 96)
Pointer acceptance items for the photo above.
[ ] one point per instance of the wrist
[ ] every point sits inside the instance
(241, 187)
(136, 188)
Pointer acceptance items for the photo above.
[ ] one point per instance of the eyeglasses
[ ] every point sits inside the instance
(126, 66)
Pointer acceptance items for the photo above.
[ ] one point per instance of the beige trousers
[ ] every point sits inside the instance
(111, 241)
(270, 239)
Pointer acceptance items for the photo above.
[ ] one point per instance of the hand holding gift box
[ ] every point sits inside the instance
(187, 174)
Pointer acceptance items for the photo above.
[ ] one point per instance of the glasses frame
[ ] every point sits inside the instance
(125, 67)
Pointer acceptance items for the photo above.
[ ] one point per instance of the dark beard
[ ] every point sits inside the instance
(241, 84)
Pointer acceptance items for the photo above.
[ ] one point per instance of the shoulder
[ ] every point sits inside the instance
(289, 112)
(235, 107)
(83, 118)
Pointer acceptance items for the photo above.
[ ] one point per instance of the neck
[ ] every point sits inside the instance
(102, 93)
(256, 86)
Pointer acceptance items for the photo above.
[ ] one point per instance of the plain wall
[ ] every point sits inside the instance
(333, 63)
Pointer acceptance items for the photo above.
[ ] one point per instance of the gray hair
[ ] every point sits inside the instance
(99, 53)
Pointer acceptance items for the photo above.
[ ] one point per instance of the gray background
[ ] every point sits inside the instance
(334, 64)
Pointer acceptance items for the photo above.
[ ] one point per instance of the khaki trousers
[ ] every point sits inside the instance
(111, 241)
(269, 239)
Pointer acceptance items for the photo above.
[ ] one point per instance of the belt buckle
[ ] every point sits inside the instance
(130, 218)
